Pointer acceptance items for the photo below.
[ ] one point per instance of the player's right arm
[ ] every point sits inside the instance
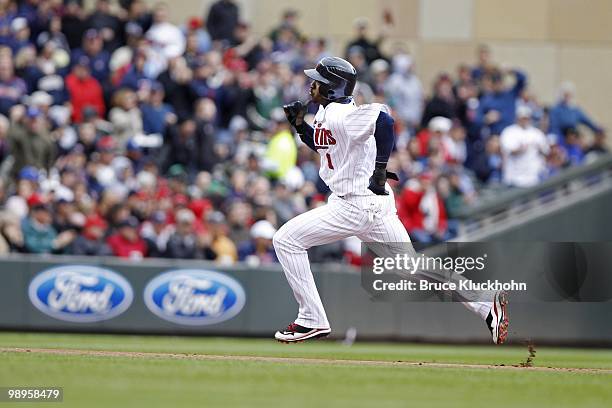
(295, 115)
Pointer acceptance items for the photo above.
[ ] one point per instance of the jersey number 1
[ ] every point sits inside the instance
(329, 162)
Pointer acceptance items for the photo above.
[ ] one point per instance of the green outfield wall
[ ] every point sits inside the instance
(186, 297)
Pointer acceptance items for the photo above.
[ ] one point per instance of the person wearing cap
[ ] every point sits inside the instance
(31, 143)
(565, 114)
(39, 236)
(98, 58)
(524, 148)
(259, 249)
(126, 242)
(84, 90)
(12, 88)
(437, 128)
(496, 110)
(90, 242)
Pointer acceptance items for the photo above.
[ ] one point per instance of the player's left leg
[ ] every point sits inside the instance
(389, 238)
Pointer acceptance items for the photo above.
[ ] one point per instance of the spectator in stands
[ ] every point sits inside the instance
(53, 35)
(12, 88)
(259, 250)
(488, 167)
(442, 103)
(156, 114)
(16, 206)
(31, 143)
(97, 57)
(138, 13)
(289, 22)
(485, 64)
(135, 77)
(422, 210)
(565, 114)
(73, 23)
(370, 48)
(574, 146)
(497, 109)
(166, 39)
(453, 143)
(107, 24)
(90, 241)
(356, 56)
(175, 81)
(126, 242)
(404, 91)
(225, 250)
(5, 125)
(597, 148)
(39, 236)
(205, 117)
(156, 232)
(282, 151)
(222, 19)
(85, 90)
(20, 35)
(125, 117)
(184, 243)
(437, 129)
(524, 148)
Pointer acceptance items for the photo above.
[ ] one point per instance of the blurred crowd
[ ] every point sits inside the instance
(124, 134)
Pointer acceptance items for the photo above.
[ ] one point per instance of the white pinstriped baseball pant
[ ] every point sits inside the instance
(371, 218)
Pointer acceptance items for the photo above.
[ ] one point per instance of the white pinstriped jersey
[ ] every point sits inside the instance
(343, 136)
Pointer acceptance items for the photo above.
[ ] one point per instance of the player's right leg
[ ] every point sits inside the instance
(329, 223)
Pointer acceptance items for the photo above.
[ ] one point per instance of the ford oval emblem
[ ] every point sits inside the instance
(194, 297)
(80, 293)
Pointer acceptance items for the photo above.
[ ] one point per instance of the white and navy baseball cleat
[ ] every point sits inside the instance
(295, 333)
(497, 320)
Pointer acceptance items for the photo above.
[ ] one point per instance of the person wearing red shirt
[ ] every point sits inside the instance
(84, 90)
(126, 242)
(422, 211)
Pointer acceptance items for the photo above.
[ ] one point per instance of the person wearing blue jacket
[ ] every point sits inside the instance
(496, 110)
(566, 115)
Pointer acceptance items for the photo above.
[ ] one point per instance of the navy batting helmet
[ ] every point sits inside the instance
(337, 77)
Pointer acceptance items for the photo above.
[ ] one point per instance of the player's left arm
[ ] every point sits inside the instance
(385, 139)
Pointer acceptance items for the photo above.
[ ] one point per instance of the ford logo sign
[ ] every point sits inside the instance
(194, 297)
(80, 293)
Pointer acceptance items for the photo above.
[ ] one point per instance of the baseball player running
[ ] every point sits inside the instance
(355, 143)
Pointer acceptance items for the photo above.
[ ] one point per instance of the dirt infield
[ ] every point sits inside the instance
(291, 360)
